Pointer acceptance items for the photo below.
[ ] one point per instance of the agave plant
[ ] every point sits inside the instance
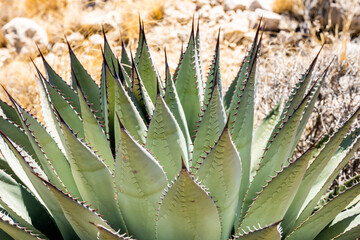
(140, 158)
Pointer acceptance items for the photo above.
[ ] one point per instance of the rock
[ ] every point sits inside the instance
(59, 48)
(23, 34)
(235, 30)
(75, 38)
(96, 39)
(263, 4)
(270, 19)
(95, 20)
(236, 5)
(5, 56)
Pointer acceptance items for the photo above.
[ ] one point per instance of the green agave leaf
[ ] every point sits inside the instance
(242, 74)
(187, 212)
(63, 107)
(198, 51)
(313, 225)
(8, 112)
(4, 235)
(139, 182)
(140, 93)
(14, 230)
(275, 197)
(346, 225)
(30, 172)
(213, 72)
(277, 154)
(189, 84)
(261, 135)
(25, 209)
(302, 197)
(107, 234)
(297, 94)
(241, 121)
(210, 128)
(229, 94)
(79, 215)
(220, 173)
(146, 67)
(125, 60)
(128, 114)
(176, 72)
(45, 148)
(94, 134)
(4, 165)
(93, 178)
(328, 175)
(86, 83)
(269, 232)
(61, 86)
(17, 135)
(166, 141)
(172, 100)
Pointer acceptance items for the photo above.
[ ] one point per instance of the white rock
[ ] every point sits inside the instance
(236, 29)
(263, 4)
(270, 19)
(23, 34)
(236, 4)
(96, 39)
(5, 56)
(97, 19)
(75, 38)
(59, 48)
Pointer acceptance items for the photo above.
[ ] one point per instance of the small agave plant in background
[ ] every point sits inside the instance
(139, 158)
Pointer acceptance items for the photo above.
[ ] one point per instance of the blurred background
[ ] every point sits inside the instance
(295, 31)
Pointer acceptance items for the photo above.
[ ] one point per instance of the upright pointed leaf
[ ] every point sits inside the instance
(220, 173)
(189, 84)
(166, 141)
(139, 182)
(187, 212)
(275, 197)
(87, 169)
(172, 100)
(86, 83)
(313, 225)
(210, 128)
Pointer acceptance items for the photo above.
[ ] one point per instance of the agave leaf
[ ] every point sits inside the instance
(128, 114)
(229, 94)
(172, 100)
(297, 94)
(125, 60)
(189, 84)
(313, 225)
(80, 77)
(4, 165)
(14, 230)
(63, 107)
(210, 128)
(277, 154)
(24, 208)
(343, 226)
(243, 74)
(280, 189)
(269, 232)
(36, 185)
(45, 148)
(213, 72)
(76, 212)
(261, 134)
(94, 134)
(17, 135)
(8, 112)
(61, 86)
(146, 67)
(310, 106)
(198, 51)
(87, 168)
(241, 120)
(220, 173)
(141, 94)
(166, 141)
(139, 181)
(302, 197)
(328, 174)
(187, 212)
(107, 234)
